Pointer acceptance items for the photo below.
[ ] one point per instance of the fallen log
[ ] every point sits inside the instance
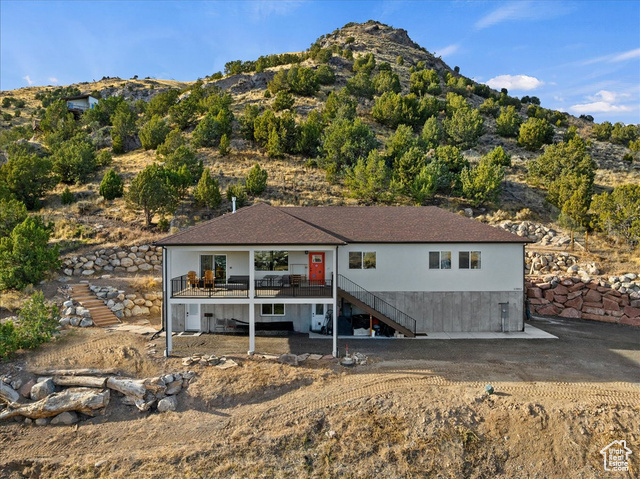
(128, 387)
(82, 381)
(136, 387)
(8, 394)
(76, 399)
(75, 372)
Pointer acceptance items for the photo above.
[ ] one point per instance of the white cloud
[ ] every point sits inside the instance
(626, 55)
(515, 82)
(598, 107)
(613, 58)
(448, 50)
(500, 14)
(558, 98)
(53, 80)
(522, 10)
(29, 81)
(604, 101)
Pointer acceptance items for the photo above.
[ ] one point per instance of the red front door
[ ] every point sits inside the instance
(316, 268)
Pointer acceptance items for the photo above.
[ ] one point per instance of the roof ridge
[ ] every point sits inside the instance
(324, 230)
(330, 233)
(189, 229)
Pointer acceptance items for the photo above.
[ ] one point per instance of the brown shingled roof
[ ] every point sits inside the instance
(257, 224)
(335, 225)
(400, 224)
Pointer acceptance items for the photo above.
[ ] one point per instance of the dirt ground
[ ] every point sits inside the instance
(417, 409)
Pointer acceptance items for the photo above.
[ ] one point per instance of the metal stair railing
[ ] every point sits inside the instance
(377, 303)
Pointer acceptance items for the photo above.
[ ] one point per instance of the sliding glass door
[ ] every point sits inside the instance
(216, 263)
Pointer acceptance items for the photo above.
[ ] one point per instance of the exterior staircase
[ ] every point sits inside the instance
(376, 306)
(100, 314)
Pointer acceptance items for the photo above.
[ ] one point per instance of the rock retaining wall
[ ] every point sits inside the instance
(596, 300)
(551, 262)
(133, 259)
(536, 232)
(128, 305)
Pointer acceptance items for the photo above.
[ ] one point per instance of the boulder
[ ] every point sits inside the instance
(632, 312)
(66, 418)
(592, 296)
(534, 293)
(42, 389)
(145, 267)
(87, 272)
(86, 322)
(570, 313)
(170, 403)
(174, 387)
(574, 303)
(126, 262)
(75, 321)
(548, 310)
(291, 359)
(610, 305)
(561, 289)
(25, 390)
(41, 421)
(64, 321)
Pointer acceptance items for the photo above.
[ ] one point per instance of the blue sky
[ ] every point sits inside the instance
(580, 56)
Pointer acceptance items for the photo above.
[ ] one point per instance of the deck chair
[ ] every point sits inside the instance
(192, 279)
(209, 281)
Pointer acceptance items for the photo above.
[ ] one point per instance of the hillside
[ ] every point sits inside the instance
(300, 176)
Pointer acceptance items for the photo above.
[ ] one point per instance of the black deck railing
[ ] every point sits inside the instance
(182, 287)
(277, 287)
(293, 288)
(377, 303)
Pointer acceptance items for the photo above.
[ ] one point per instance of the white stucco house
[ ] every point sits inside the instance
(81, 103)
(415, 270)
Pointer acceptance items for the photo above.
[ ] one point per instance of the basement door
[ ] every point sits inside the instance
(193, 318)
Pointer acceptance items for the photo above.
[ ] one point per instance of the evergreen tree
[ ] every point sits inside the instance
(153, 133)
(207, 192)
(481, 184)
(25, 254)
(151, 192)
(464, 127)
(225, 145)
(28, 178)
(111, 186)
(618, 213)
(508, 123)
(256, 181)
(534, 133)
(370, 180)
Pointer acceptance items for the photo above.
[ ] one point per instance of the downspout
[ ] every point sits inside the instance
(524, 287)
(163, 311)
(165, 294)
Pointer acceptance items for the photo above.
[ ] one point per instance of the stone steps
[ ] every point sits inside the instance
(100, 314)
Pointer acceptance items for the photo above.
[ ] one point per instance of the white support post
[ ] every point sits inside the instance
(335, 302)
(166, 283)
(252, 306)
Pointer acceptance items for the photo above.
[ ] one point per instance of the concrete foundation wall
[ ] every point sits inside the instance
(466, 311)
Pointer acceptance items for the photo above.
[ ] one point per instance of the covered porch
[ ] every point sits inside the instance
(241, 290)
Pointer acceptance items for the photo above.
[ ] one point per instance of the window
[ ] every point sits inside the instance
(272, 310)
(439, 259)
(271, 260)
(362, 260)
(469, 259)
